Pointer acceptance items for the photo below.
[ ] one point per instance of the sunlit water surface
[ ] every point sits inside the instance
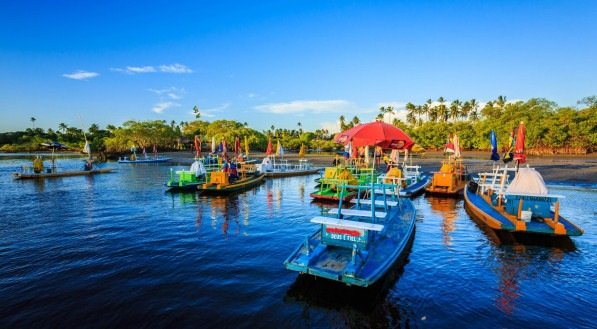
(116, 250)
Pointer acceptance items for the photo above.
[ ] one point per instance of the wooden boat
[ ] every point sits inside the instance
(332, 185)
(218, 182)
(56, 174)
(131, 159)
(410, 180)
(357, 246)
(284, 169)
(450, 179)
(520, 207)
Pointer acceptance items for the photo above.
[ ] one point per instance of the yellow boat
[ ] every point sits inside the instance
(450, 179)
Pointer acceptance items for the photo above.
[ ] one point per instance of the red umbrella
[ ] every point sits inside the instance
(197, 146)
(268, 150)
(376, 133)
(236, 147)
(519, 146)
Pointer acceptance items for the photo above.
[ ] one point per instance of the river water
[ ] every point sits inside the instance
(116, 250)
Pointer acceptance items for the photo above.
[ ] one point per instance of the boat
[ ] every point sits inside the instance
(187, 180)
(55, 174)
(133, 158)
(410, 180)
(332, 185)
(220, 182)
(522, 206)
(39, 171)
(284, 169)
(358, 245)
(452, 177)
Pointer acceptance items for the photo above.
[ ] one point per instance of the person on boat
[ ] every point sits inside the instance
(232, 173)
(88, 165)
(38, 165)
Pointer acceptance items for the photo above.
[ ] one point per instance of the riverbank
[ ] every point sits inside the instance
(575, 169)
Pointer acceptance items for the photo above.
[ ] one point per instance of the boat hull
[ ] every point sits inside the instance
(158, 160)
(238, 186)
(416, 188)
(290, 173)
(496, 219)
(62, 174)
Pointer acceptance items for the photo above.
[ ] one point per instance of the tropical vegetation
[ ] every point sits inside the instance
(550, 129)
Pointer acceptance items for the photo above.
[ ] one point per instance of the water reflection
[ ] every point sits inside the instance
(357, 307)
(446, 209)
(512, 261)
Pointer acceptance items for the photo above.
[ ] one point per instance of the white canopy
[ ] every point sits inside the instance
(527, 181)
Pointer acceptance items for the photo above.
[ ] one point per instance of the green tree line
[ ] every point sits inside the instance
(550, 129)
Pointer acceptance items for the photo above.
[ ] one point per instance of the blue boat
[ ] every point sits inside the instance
(358, 245)
(522, 206)
(131, 159)
(410, 180)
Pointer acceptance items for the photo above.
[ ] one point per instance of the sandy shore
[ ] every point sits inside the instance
(579, 169)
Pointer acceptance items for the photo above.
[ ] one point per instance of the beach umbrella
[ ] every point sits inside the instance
(456, 146)
(197, 146)
(494, 152)
(268, 150)
(213, 144)
(376, 134)
(246, 147)
(449, 148)
(302, 151)
(237, 148)
(224, 147)
(519, 155)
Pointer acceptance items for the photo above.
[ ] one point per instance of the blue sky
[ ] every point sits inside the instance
(282, 62)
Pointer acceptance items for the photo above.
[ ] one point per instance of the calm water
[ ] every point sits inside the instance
(115, 250)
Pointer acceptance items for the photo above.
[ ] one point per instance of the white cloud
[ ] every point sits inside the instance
(140, 69)
(302, 106)
(175, 68)
(331, 127)
(172, 92)
(80, 75)
(162, 106)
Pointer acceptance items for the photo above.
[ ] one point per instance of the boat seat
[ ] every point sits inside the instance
(386, 191)
(347, 223)
(377, 202)
(359, 213)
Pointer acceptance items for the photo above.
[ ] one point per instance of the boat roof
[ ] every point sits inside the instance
(527, 181)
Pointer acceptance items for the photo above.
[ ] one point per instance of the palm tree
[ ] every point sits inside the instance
(396, 122)
(411, 110)
(474, 113)
(33, 122)
(455, 109)
(196, 111)
(300, 129)
(465, 110)
(500, 101)
(442, 110)
(62, 126)
(342, 121)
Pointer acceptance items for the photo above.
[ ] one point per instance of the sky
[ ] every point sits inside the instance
(280, 63)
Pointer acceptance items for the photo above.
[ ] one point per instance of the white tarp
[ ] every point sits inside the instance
(527, 181)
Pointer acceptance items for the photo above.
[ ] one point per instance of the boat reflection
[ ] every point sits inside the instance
(446, 208)
(514, 262)
(359, 307)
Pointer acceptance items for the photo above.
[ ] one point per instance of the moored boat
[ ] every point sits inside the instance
(524, 206)
(282, 168)
(220, 182)
(357, 246)
(410, 180)
(188, 180)
(450, 180)
(56, 174)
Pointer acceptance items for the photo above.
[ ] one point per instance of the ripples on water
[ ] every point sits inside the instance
(115, 250)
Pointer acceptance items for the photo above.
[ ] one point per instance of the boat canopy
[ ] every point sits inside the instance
(527, 181)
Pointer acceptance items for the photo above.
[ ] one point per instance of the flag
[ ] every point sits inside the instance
(246, 147)
(268, 150)
(87, 148)
(450, 146)
(197, 146)
(456, 146)
(213, 144)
